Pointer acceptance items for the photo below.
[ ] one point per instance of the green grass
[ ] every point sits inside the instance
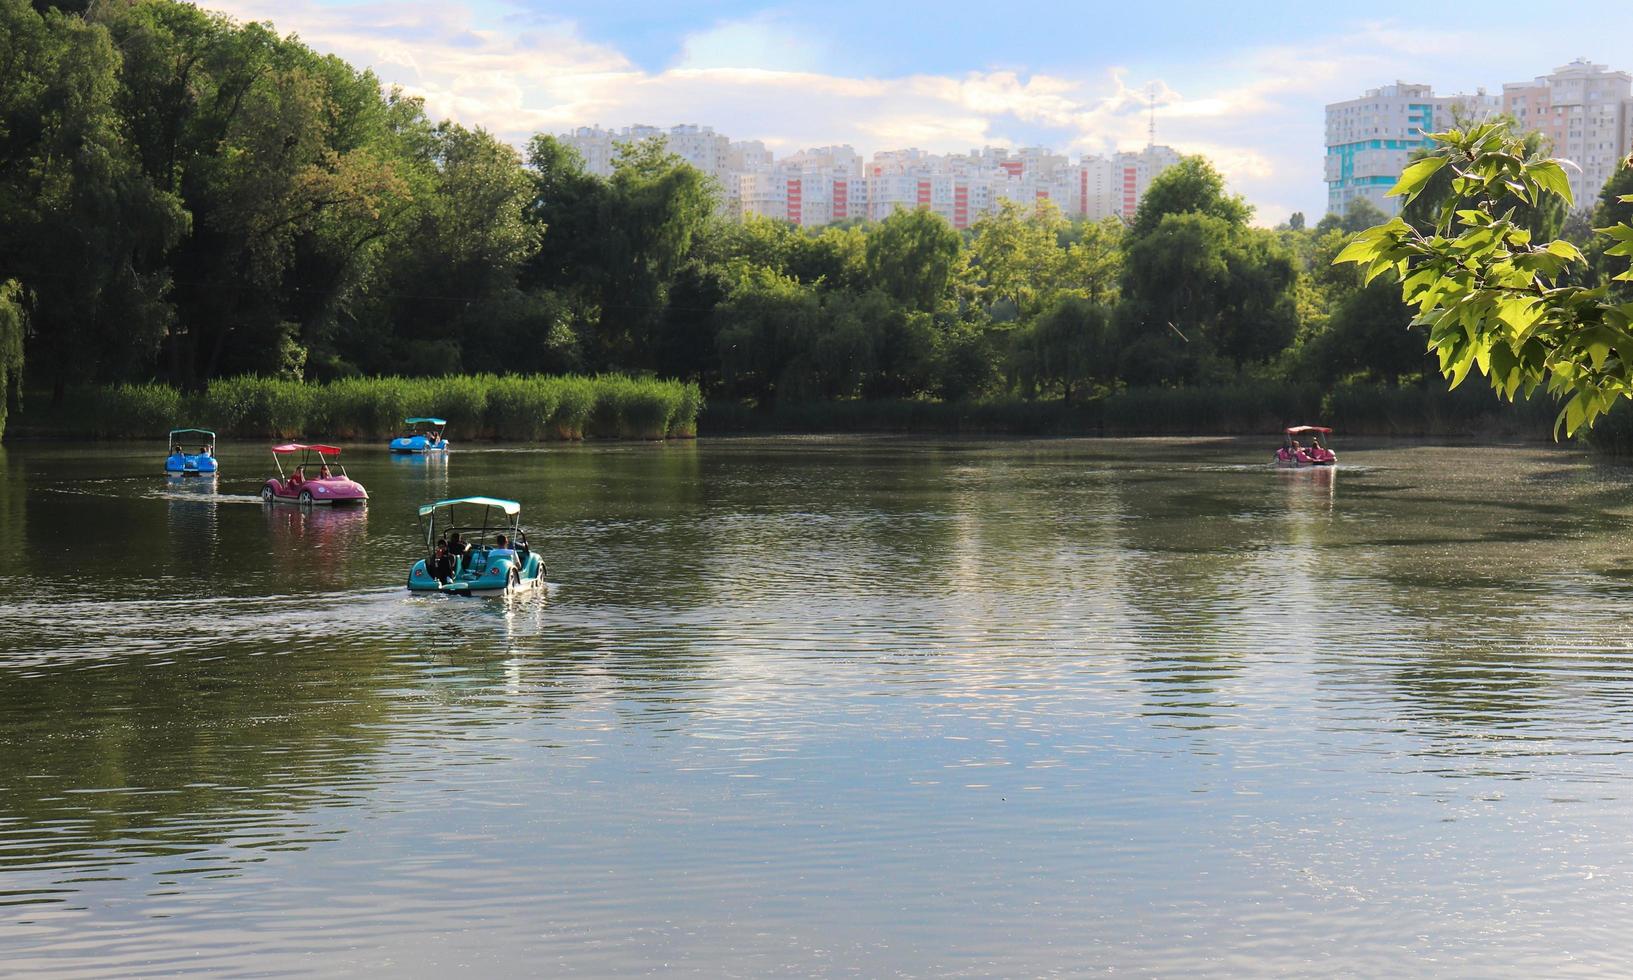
(514, 407)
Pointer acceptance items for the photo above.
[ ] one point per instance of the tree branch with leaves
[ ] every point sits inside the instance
(1491, 298)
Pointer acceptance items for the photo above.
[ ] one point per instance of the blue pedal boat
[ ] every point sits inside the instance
(422, 436)
(475, 546)
(183, 463)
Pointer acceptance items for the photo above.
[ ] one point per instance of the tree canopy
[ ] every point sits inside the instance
(186, 197)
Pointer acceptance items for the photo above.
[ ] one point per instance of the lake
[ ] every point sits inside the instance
(825, 706)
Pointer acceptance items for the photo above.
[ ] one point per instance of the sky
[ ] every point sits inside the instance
(1243, 84)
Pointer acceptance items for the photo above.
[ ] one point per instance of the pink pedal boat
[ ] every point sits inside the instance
(1295, 454)
(325, 486)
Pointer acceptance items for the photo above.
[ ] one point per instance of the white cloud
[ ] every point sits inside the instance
(757, 42)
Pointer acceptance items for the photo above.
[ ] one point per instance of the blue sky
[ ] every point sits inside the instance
(1242, 83)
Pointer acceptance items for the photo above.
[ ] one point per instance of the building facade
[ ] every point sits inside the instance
(822, 185)
(1371, 139)
(1586, 112)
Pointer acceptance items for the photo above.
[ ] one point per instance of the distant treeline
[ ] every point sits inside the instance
(185, 199)
(536, 409)
(1354, 409)
(515, 408)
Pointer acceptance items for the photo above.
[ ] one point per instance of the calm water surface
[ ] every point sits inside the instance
(825, 707)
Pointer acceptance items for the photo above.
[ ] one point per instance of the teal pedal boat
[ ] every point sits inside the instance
(421, 435)
(475, 546)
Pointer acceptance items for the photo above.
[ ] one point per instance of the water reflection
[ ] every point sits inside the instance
(211, 753)
(1150, 705)
(313, 544)
(192, 506)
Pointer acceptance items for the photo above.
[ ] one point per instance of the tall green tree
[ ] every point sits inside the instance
(1068, 348)
(1094, 261)
(451, 301)
(1015, 256)
(1191, 186)
(84, 232)
(615, 246)
(1199, 291)
(911, 256)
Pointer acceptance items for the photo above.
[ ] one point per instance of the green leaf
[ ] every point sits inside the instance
(1363, 249)
(1597, 348)
(1551, 176)
(1573, 416)
(1565, 250)
(1415, 176)
(1519, 312)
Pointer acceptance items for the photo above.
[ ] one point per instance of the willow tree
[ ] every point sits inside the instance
(1492, 298)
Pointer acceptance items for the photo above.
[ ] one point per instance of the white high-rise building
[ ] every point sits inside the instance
(1586, 112)
(595, 146)
(1371, 139)
(699, 146)
(825, 184)
(1106, 186)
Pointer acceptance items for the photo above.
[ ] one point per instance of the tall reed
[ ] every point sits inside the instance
(514, 407)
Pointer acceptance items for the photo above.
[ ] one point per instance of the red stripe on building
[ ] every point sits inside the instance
(1083, 192)
(842, 200)
(796, 210)
(961, 206)
(1130, 199)
(924, 194)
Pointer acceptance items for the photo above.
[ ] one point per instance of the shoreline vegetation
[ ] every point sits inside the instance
(1231, 410)
(537, 408)
(516, 408)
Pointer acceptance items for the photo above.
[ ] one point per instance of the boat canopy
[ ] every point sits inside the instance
(182, 432)
(1296, 429)
(428, 421)
(510, 507)
(295, 447)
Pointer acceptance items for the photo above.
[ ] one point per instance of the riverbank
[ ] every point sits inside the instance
(513, 408)
(541, 409)
(1361, 410)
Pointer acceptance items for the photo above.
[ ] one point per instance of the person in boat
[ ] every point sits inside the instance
(324, 474)
(458, 551)
(299, 476)
(176, 449)
(502, 549)
(441, 564)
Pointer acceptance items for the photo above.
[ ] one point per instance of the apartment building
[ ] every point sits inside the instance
(1370, 139)
(1586, 112)
(699, 146)
(1107, 186)
(821, 185)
